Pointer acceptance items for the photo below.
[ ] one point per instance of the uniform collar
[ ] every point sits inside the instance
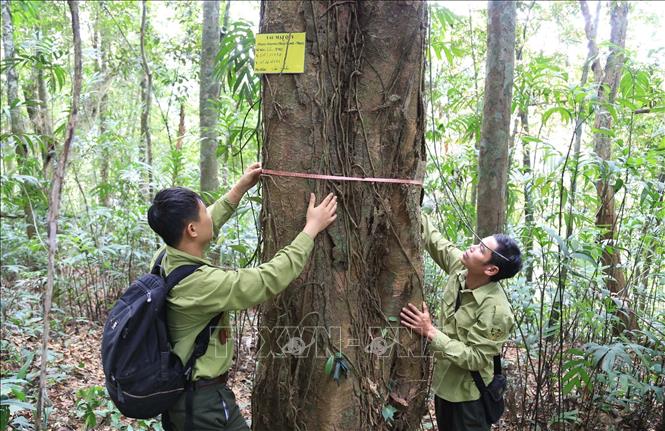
(484, 291)
(479, 293)
(178, 257)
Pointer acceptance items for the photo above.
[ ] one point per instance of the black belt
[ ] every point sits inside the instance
(202, 383)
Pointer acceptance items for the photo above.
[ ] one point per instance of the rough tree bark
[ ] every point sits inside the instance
(54, 210)
(608, 82)
(356, 111)
(495, 129)
(16, 124)
(208, 94)
(146, 99)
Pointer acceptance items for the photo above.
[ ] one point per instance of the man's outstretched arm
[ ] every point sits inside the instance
(444, 252)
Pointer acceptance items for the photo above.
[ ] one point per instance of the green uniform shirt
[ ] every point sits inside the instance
(470, 337)
(210, 290)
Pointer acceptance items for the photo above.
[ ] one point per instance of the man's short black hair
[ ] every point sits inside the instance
(508, 257)
(170, 212)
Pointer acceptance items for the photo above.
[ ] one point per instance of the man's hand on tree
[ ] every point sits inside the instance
(319, 218)
(419, 321)
(246, 182)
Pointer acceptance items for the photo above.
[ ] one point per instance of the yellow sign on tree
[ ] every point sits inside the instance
(279, 53)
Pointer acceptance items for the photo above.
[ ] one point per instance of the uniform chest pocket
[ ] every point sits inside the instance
(448, 304)
(464, 320)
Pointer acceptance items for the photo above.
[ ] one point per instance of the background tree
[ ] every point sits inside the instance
(495, 134)
(608, 83)
(54, 210)
(17, 126)
(356, 111)
(208, 94)
(104, 80)
(146, 96)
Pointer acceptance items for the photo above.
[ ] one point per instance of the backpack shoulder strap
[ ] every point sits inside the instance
(179, 274)
(203, 337)
(497, 365)
(200, 343)
(480, 384)
(157, 267)
(497, 358)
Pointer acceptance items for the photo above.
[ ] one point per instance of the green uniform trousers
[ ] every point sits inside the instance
(214, 408)
(463, 416)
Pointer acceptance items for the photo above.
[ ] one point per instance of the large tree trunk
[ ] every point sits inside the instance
(54, 210)
(356, 111)
(208, 94)
(495, 131)
(146, 98)
(602, 143)
(17, 126)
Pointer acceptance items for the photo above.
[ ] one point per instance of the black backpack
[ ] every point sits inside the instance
(143, 376)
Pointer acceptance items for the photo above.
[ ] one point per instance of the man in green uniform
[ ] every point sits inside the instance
(471, 335)
(179, 216)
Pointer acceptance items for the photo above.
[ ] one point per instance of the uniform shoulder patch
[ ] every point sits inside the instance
(496, 333)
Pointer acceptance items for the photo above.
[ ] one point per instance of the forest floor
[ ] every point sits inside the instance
(77, 393)
(75, 366)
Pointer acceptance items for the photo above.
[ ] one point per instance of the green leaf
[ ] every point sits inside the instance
(562, 244)
(618, 184)
(564, 113)
(329, 364)
(570, 385)
(448, 53)
(16, 405)
(4, 417)
(23, 372)
(393, 319)
(239, 248)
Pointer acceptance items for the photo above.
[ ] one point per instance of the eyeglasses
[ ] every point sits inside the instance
(493, 251)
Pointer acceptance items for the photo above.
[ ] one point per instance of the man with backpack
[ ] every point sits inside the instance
(476, 320)
(179, 216)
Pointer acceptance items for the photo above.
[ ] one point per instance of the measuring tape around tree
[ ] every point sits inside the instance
(270, 172)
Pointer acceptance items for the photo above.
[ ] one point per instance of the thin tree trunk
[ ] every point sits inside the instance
(591, 30)
(102, 70)
(476, 92)
(593, 62)
(146, 96)
(53, 212)
(356, 111)
(495, 133)
(523, 114)
(17, 126)
(225, 22)
(606, 217)
(181, 128)
(45, 117)
(209, 93)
